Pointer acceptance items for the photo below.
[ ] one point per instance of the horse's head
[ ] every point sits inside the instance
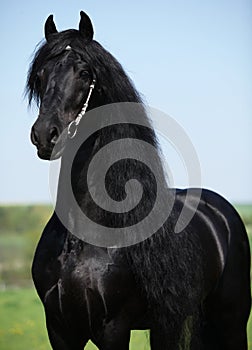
(59, 79)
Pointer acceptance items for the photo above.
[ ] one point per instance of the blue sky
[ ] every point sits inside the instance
(191, 59)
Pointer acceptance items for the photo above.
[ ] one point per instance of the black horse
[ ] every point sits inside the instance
(191, 289)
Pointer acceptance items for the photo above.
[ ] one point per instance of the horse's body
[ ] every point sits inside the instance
(89, 294)
(192, 289)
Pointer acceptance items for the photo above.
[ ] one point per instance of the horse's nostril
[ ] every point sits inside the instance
(54, 135)
(34, 137)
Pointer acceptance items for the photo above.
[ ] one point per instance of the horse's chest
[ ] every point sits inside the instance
(92, 285)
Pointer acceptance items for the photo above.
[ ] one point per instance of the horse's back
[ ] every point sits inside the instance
(220, 228)
(214, 213)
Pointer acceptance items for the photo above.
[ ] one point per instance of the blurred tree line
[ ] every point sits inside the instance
(20, 229)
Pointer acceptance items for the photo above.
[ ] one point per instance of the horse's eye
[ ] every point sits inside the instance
(84, 74)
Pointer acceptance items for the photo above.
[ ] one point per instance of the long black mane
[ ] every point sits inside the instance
(166, 264)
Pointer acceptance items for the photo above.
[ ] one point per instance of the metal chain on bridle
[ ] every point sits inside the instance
(73, 126)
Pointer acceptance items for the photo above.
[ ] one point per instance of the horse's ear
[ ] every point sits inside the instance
(50, 28)
(86, 27)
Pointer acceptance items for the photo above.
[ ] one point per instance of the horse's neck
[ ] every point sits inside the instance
(123, 162)
(72, 169)
(70, 186)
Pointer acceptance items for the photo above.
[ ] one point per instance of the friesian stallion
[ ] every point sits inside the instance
(190, 289)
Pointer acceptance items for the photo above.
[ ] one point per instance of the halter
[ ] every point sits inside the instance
(73, 126)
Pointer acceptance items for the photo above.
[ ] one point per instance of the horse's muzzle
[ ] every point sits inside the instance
(45, 141)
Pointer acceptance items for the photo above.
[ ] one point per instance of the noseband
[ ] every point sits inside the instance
(73, 126)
